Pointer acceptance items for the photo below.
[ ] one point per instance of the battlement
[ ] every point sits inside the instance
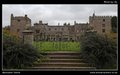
(80, 23)
(36, 23)
(66, 24)
(94, 16)
(101, 16)
(20, 17)
(102, 24)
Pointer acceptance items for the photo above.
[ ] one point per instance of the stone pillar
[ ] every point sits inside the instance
(27, 36)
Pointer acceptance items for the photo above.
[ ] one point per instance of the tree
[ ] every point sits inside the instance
(114, 24)
(15, 53)
(99, 50)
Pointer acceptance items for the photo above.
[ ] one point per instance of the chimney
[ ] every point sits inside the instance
(94, 14)
(25, 15)
(74, 22)
(58, 24)
(68, 23)
(40, 22)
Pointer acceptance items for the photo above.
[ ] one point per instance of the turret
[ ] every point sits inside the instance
(93, 14)
(12, 15)
(11, 18)
(74, 22)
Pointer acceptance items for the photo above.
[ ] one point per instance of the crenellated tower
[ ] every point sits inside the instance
(101, 24)
(19, 23)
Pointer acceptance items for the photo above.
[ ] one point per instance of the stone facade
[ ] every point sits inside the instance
(102, 24)
(66, 32)
(44, 32)
(18, 24)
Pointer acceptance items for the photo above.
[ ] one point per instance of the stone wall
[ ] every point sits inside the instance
(60, 32)
(102, 24)
(43, 31)
(19, 23)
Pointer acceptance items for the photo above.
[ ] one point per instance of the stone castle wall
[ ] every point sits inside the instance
(19, 23)
(43, 31)
(102, 24)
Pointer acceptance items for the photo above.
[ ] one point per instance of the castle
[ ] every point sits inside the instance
(44, 32)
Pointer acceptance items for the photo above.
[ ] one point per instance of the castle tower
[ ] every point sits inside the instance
(102, 24)
(18, 24)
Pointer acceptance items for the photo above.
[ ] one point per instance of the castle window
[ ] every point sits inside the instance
(49, 29)
(18, 20)
(62, 29)
(103, 25)
(55, 28)
(18, 30)
(37, 31)
(103, 30)
(103, 20)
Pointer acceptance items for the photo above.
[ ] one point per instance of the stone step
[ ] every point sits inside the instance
(64, 68)
(62, 53)
(64, 56)
(61, 64)
(63, 60)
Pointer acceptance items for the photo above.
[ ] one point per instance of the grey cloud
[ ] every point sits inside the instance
(52, 14)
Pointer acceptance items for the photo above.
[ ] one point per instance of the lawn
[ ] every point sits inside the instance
(57, 46)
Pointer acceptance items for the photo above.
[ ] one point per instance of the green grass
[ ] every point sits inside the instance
(57, 46)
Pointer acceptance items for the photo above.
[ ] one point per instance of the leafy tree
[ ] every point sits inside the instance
(114, 24)
(15, 53)
(99, 50)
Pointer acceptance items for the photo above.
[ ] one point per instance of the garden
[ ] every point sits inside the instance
(46, 46)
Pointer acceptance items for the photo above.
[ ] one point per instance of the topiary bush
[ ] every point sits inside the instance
(16, 54)
(99, 50)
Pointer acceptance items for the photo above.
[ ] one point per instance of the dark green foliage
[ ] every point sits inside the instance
(16, 54)
(114, 24)
(99, 50)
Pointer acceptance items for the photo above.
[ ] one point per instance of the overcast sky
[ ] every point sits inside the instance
(54, 14)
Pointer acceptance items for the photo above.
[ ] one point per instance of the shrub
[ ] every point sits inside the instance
(15, 53)
(99, 50)
(114, 24)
